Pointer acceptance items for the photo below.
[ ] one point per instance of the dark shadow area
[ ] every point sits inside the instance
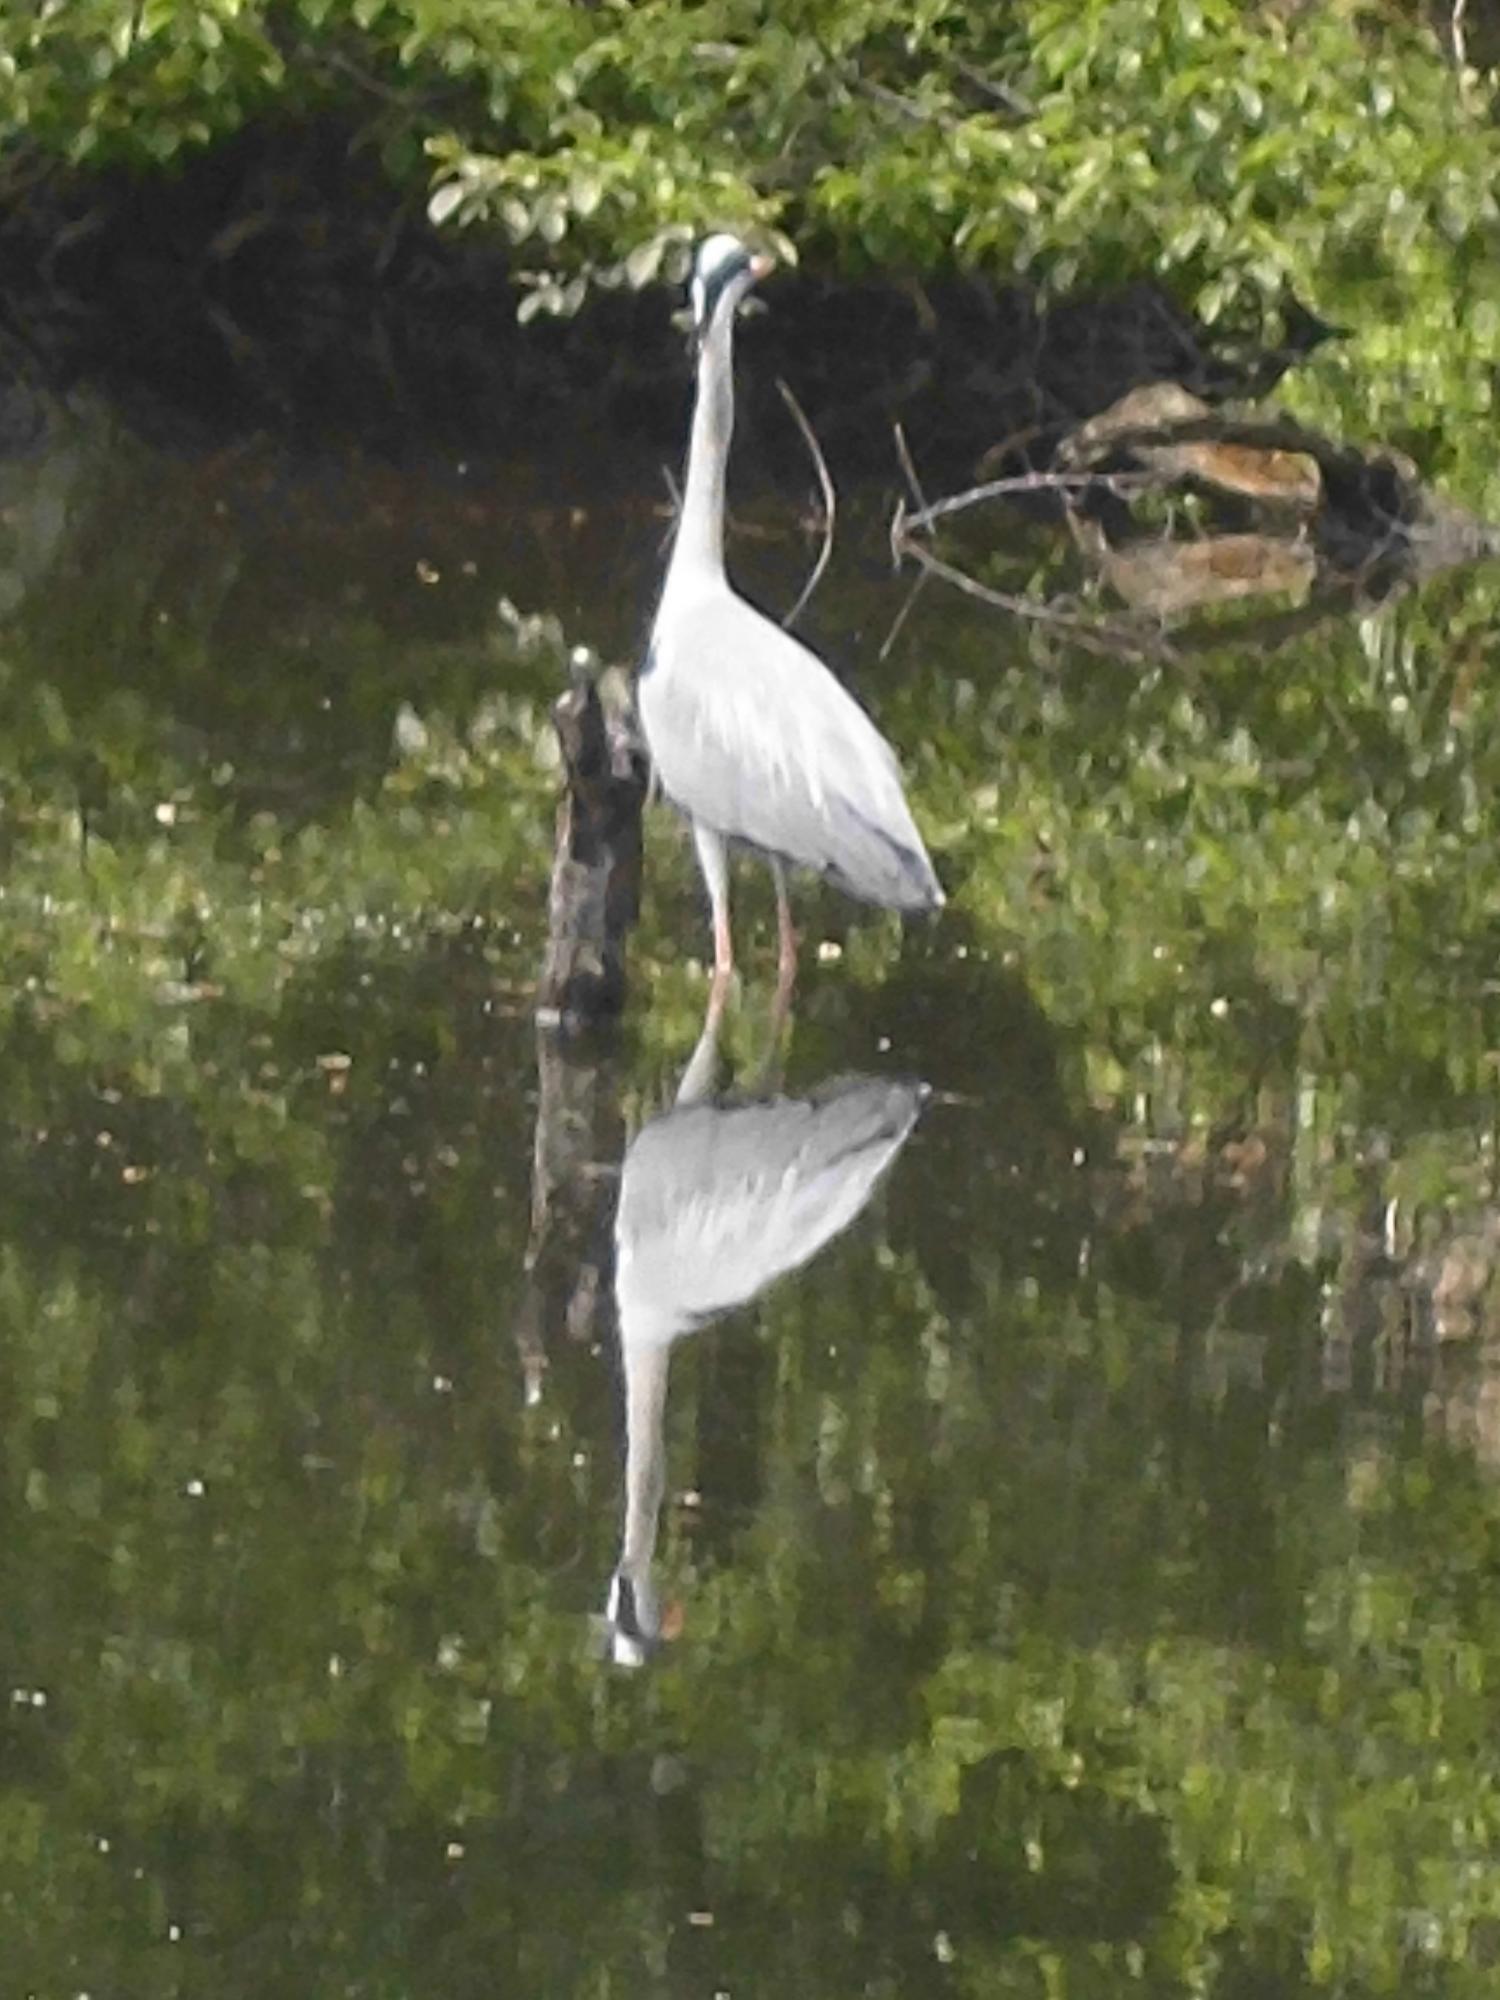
(278, 282)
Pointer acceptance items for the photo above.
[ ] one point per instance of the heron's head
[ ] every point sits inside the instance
(723, 272)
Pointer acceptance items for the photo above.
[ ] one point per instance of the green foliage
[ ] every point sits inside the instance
(99, 82)
(1222, 147)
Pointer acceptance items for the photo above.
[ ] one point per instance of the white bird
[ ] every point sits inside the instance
(716, 1202)
(751, 735)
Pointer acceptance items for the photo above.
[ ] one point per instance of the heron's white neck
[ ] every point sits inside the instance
(646, 1367)
(699, 547)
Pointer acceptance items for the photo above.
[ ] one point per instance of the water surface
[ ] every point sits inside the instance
(1085, 1560)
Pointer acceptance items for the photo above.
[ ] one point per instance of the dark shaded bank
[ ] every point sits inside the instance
(281, 281)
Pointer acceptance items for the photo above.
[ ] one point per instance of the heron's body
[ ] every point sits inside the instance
(755, 740)
(751, 735)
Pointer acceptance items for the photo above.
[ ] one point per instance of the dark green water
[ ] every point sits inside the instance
(1086, 1563)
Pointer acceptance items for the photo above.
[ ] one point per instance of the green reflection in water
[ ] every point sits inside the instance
(1090, 1585)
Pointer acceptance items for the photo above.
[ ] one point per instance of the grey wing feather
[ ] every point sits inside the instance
(717, 1201)
(754, 737)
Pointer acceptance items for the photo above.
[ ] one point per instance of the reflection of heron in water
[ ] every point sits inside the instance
(716, 1202)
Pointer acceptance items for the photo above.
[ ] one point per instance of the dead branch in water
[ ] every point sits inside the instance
(1292, 514)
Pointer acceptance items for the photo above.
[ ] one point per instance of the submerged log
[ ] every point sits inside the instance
(594, 900)
(596, 870)
(1274, 510)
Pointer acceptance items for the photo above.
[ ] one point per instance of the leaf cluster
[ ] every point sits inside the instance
(1220, 146)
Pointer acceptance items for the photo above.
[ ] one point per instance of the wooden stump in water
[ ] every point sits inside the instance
(596, 871)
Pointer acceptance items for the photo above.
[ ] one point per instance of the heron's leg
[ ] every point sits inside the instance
(713, 858)
(786, 960)
(698, 1078)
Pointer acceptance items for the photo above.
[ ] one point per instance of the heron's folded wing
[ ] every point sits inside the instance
(718, 1201)
(755, 737)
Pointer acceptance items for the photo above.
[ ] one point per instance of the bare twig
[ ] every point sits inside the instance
(904, 613)
(904, 107)
(1001, 93)
(830, 502)
(898, 519)
(903, 454)
(1013, 443)
(1100, 635)
(1459, 34)
(1035, 482)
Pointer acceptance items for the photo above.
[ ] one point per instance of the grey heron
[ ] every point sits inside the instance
(716, 1202)
(752, 737)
